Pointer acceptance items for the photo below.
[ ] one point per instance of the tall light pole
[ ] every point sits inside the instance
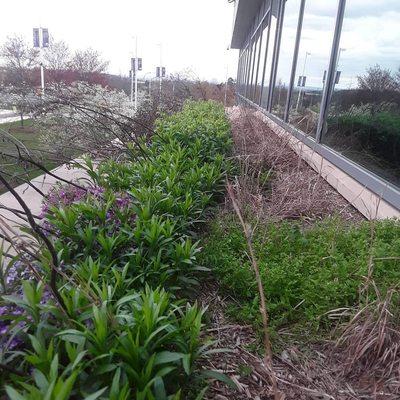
(160, 44)
(226, 74)
(303, 74)
(40, 41)
(136, 69)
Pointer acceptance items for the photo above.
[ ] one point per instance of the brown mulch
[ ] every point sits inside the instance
(303, 371)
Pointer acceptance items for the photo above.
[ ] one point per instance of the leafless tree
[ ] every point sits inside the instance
(57, 56)
(19, 59)
(88, 61)
(377, 79)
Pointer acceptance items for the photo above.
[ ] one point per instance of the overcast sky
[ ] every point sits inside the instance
(194, 33)
(370, 36)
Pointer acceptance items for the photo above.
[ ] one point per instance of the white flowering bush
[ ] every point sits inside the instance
(86, 118)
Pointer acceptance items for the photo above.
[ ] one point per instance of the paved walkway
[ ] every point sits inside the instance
(10, 223)
(10, 116)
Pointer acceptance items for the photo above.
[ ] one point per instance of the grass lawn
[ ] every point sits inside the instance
(28, 137)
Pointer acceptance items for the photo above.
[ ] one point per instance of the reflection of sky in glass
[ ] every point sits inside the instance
(316, 38)
(288, 41)
(370, 36)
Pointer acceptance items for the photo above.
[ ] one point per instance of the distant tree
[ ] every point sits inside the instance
(378, 79)
(19, 60)
(89, 61)
(57, 61)
(397, 77)
(21, 75)
(88, 117)
(57, 56)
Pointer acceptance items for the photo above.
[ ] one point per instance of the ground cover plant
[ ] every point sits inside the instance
(307, 271)
(102, 313)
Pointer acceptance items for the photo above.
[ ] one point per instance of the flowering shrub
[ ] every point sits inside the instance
(85, 118)
(126, 253)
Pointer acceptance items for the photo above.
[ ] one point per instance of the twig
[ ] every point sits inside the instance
(263, 309)
(38, 231)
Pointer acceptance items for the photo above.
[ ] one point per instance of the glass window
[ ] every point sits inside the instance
(249, 69)
(364, 116)
(314, 53)
(288, 40)
(264, 37)
(242, 72)
(269, 53)
(254, 69)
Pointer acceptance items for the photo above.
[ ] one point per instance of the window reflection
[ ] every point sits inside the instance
(288, 40)
(364, 117)
(264, 37)
(269, 53)
(314, 52)
(254, 69)
(249, 69)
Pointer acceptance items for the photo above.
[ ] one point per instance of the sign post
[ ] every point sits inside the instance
(40, 41)
(136, 65)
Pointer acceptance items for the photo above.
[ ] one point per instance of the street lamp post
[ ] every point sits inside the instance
(303, 75)
(136, 69)
(160, 44)
(226, 75)
(40, 41)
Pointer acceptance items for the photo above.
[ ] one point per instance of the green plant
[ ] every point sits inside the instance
(127, 250)
(311, 270)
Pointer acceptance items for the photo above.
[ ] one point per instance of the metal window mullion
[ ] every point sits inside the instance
(258, 64)
(246, 71)
(330, 76)
(275, 56)
(294, 61)
(265, 15)
(253, 65)
(238, 75)
(248, 68)
(266, 52)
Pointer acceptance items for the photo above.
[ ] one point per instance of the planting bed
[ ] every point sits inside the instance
(141, 286)
(320, 263)
(101, 313)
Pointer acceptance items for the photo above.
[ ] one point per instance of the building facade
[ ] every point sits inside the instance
(327, 73)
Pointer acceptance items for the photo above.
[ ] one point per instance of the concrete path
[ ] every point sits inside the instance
(10, 223)
(10, 116)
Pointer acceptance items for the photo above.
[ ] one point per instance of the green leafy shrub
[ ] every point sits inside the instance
(127, 251)
(141, 345)
(306, 272)
(165, 193)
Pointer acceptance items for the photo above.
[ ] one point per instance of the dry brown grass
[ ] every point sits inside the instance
(369, 347)
(274, 180)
